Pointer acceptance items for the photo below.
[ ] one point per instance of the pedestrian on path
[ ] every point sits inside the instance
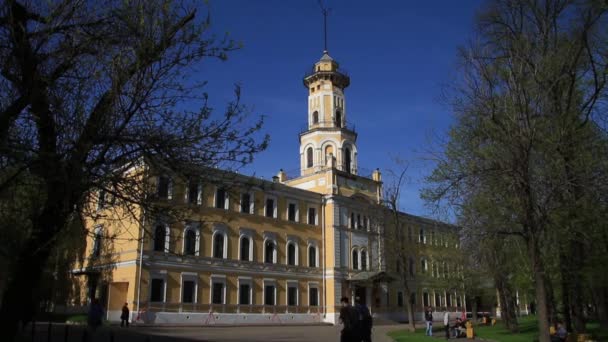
(349, 319)
(428, 317)
(124, 317)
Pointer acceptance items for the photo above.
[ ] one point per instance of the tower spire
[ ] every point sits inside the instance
(325, 12)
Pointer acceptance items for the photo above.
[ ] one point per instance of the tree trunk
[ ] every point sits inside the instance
(410, 313)
(541, 295)
(566, 286)
(474, 309)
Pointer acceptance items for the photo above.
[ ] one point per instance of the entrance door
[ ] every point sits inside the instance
(118, 297)
(360, 292)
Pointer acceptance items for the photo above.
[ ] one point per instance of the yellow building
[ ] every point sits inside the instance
(250, 251)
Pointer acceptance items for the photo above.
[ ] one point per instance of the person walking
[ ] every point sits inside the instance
(428, 317)
(124, 317)
(349, 318)
(446, 322)
(365, 321)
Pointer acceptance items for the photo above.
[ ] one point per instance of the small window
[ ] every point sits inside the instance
(217, 293)
(347, 160)
(448, 300)
(400, 299)
(218, 246)
(193, 192)
(269, 292)
(270, 252)
(157, 290)
(352, 220)
(291, 212)
(359, 221)
(190, 242)
(355, 260)
(188, 288)
(423, 265)
(244, 294)
(220, 199)
(425, 299)
(291, 254)
(270, 207)
(246, 203)
(313, 296)
(292, 296)
(421, 237)
(309, 156)
(438, 299)
(97, 242)
(245, 248)
(163, 187)
(312, 256)
(312, 216)
(338, 118)
(411, 267)
(315, 117)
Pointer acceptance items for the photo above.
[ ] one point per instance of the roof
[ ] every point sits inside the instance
(326, 57)
(374, 277)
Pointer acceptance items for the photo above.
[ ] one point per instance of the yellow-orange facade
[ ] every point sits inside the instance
(250, 251)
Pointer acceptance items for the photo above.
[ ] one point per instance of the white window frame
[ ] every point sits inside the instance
(272, 282)
(197, 242)
(297, 213)
(294, 241)
(352, 261)
(288, 284)
(98, 232)
(162, 275)
(268, 236)
(169, 186)
(199, 191)
(361, 250)
(422, 235)
(188, 276)
(251, 202)
(217, 278)
(167, 236)
(315, 245)
(425, 267)
(316, 220)
(314, 285)
(274, 203)
(226, 198)
(246, 234)
(219, 230)
(244, 281)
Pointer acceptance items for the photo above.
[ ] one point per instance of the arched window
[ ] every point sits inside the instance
(309, 157)
(312, 256)
(338, 118)
(190, 242)
(315, 117)
(363, 260)
(97, 242)
(355, 259)
(160, 235)
(218, 246)
(347, 160)
(291, 254)
(245, 248)
(423, 265)
(421, 237)
(269, 253)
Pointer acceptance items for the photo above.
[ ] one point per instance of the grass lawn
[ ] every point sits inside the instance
(527, 332)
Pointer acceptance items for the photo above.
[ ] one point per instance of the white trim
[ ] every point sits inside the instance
(188, 276)
(274, 203)
(219, 229)
(293, 240)
(162, 275)
(297, 213)
(272, 282)
(246, 234)
(294, 284)
(251, 202)
(197, 242)
(244, 281)
(217, 278)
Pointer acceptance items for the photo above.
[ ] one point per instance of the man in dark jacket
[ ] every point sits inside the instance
(365, 321)
(349, 319)
(124, 317)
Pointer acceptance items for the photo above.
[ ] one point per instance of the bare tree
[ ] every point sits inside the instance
(88, 91)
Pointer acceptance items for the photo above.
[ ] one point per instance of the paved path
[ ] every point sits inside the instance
(308, 333)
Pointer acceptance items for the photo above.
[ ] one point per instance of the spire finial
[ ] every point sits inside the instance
(325, 12)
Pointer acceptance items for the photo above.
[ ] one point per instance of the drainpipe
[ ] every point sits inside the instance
(141, 258)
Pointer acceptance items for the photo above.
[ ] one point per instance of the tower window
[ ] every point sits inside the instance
(347, 160)
(338, 118)
(309, 157)
(315, 117)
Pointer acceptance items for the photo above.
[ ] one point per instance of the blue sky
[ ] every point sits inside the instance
(399, 55)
